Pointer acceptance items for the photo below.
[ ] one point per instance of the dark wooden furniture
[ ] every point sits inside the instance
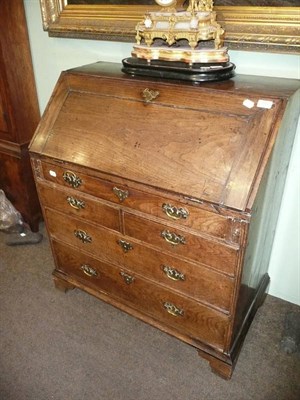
(161, 197)
(19, 112)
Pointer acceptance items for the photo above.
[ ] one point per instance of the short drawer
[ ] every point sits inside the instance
(96, 240)
(184, 214)
(79, 205)
(182, 243)
(174, 310)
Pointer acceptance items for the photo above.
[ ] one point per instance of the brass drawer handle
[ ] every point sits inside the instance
(174, 212)
(88, 270)
(121, 194)
(83, 236)
(173, 238)
(173, 310)
(149, 95)
(126, 246)
(127, 278)
(75, 203)
(72, 179)
(173, 274)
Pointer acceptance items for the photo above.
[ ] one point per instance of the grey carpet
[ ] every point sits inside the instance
(75, 347)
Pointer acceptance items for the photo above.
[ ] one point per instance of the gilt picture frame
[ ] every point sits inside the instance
(255, 28)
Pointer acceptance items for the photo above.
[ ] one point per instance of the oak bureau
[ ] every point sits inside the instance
(161, 197)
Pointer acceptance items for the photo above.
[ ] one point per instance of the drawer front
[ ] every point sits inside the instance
(205, 221)
(183, 314)
(79, 205)
(73, 179)
(193, 280)
(95, 240)
(182, 243)
(183, 214)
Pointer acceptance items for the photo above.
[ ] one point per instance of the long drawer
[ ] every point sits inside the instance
(193, 280)
(170, 308)
(208, 222)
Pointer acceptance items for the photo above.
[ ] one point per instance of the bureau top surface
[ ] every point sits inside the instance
(209, 141)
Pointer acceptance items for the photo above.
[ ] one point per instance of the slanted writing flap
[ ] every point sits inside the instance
(191, 146)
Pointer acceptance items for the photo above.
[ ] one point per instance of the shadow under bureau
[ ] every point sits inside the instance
(161, 197)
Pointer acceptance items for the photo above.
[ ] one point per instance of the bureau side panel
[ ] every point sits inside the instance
(264, 215)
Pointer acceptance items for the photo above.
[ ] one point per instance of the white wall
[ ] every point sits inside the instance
(52, 55)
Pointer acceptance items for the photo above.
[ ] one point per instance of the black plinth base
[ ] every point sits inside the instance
(178, 70)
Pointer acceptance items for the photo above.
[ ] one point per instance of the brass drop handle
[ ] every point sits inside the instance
(120, 193)
(149, 95)
(126, 246)
(127, 278)
(174, 212)
(173, 310)
(173, 238)
(72, 179)
(83, 236)
(88, 270)
(75, 203)
(173, 273)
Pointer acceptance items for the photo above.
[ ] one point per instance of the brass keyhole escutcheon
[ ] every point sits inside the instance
(127, 278)
(149, 95)
(126, 246)
(120, 193)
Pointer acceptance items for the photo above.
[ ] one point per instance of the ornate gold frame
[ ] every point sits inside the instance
(271, 29)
